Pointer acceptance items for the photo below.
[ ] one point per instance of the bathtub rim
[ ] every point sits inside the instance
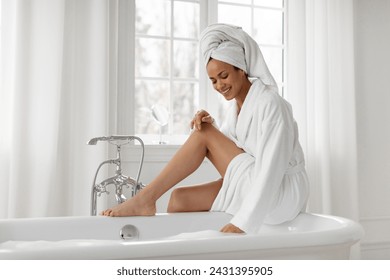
(350, 233)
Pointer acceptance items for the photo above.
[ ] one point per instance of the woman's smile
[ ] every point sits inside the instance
(224, 92)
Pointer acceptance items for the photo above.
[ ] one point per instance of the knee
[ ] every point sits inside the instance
(205, 132)
(177, 201)
(206, 128)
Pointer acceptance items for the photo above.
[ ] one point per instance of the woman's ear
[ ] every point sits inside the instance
(244, 73)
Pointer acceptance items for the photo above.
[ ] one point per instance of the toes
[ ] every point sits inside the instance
(106, 212)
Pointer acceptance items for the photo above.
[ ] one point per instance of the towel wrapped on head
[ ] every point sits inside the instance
(234, 46)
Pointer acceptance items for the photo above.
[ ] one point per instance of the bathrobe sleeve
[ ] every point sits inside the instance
(275, 138)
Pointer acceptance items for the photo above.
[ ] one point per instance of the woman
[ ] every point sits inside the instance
(256, 151)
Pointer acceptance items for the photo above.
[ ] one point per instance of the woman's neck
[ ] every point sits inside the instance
(244, 92)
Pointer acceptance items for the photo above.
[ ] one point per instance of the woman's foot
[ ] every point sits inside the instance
(139, 205)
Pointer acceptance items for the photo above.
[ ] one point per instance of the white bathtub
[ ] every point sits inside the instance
(175, 236)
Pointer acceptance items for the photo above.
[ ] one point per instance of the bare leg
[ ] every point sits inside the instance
(208, 142)
(195, 198)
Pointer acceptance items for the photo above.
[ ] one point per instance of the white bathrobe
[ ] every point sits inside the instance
(268, 183)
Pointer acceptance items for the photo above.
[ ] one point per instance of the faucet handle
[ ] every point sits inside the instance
(101, 192)
(100, 189)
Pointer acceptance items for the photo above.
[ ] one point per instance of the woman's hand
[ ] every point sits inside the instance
(201, 117)
(230, 228)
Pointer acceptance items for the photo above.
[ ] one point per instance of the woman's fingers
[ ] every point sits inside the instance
(200, 116)
(208, 119)
(230, 228)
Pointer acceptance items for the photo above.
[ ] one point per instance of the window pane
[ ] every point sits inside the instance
(236, 15)
(185, 103)
(153, 17)
(262, 32)
(186, 19)
(274, 59)
(152, 57)
(147, 94)
(269, 3)
(186, 59)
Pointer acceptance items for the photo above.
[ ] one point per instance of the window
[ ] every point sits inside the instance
(166, 64)
(168, 69)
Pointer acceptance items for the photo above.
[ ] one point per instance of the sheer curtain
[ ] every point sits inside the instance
(54, 97)
(322, 90)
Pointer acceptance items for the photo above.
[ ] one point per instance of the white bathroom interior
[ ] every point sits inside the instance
(73, 70)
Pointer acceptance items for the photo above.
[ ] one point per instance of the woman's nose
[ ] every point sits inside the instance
(219, 85)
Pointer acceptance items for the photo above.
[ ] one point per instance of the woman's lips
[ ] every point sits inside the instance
(224, 92)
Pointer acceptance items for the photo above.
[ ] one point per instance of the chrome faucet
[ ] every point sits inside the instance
(118, 180)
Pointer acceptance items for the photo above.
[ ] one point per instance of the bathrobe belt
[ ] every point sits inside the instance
(299, 167)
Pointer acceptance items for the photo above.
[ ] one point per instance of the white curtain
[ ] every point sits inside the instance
(322, 89)
(54, 98)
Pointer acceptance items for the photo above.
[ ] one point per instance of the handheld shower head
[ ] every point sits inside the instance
(94, 141)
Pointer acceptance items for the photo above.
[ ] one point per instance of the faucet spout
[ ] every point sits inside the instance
(119, 196)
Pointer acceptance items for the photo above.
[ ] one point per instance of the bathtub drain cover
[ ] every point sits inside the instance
(129, 232)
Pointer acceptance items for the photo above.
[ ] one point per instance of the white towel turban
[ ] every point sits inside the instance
(232, 45)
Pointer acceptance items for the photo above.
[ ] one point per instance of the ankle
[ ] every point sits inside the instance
(149, 194)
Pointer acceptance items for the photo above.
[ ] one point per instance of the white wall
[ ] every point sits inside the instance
(372, 62)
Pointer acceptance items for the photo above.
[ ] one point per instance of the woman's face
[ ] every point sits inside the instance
(226, 79)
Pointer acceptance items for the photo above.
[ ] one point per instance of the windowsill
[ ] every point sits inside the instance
(154, 152)
(152, 140)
